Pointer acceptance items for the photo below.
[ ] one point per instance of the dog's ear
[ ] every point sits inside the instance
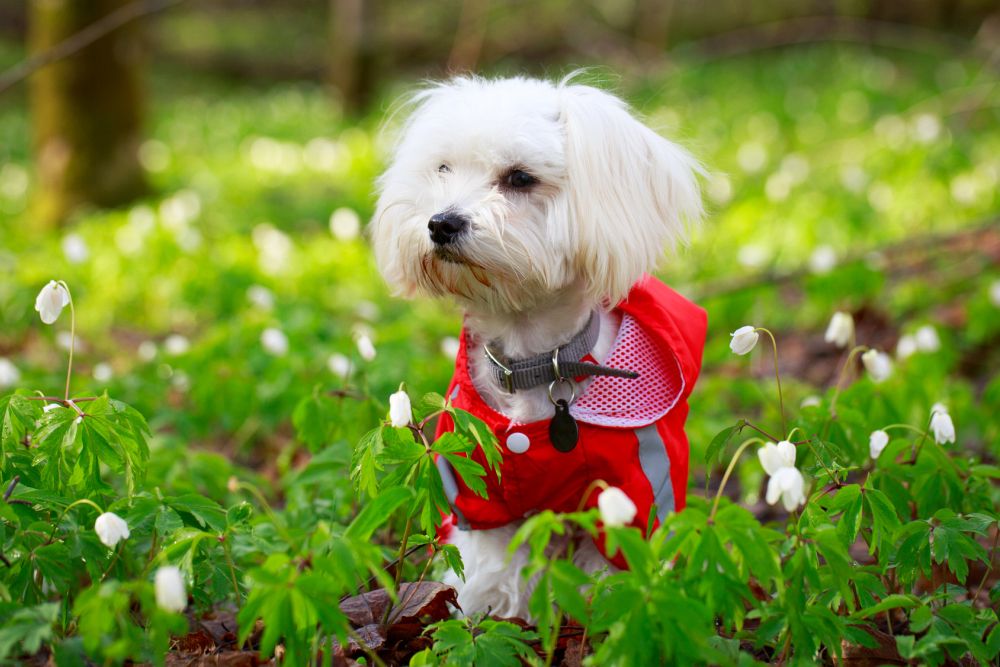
(631, 192)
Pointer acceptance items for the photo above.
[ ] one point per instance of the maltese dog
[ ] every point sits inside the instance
(541, 208)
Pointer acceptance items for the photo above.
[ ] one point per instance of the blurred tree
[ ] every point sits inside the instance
(87, 110)
(352, 50)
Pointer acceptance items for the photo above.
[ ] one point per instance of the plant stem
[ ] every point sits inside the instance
(761, 431)
(114, 560)
(72, 336)
(416, 585)
(843, 375)
(399, 562)
(81, 501)
(232, 567)
(278, 524)
(777, 377)
(989, 568)
(729, 471)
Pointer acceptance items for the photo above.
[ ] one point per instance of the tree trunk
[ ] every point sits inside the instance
(352, 51)
(87, 111)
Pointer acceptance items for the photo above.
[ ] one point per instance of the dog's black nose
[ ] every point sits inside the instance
(445, 227)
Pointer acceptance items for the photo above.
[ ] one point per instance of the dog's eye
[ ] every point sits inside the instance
(519, 180)
(444, 169)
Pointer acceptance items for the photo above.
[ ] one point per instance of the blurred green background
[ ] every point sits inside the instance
(201, 176)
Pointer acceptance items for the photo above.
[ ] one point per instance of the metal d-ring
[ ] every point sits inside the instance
(572, 389)
(560, 379)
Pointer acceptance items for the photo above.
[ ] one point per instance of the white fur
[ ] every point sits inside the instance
(611, 195)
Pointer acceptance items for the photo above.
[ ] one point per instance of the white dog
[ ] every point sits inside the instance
(540, 208)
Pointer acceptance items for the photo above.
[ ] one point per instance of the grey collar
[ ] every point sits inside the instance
(562, 363)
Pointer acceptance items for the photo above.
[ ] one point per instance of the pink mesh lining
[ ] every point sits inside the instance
(621, 402)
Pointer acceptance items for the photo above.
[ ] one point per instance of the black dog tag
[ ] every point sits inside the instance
(563, 431)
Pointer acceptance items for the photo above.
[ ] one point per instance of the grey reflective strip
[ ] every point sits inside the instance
(656, 467)
(451, 489)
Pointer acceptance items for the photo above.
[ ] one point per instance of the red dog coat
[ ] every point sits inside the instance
(631, 430)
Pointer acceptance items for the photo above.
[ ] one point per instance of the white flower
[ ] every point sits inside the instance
(878, 364)
(773, 457)
(75, 248)
(877, 442)
(449, 346)
(111, 529)
(339, 365)
(927, 339)
(170, 593)
(942, 427)
(840, 330)
(939, 407)
(906, 347)
(261, 297)
(822, 260)
(274, 341)
(102, 372)
(617, 509)
(66, 340)
(787, 484)
(176, 345)
(995, 293)
(743, 340)
(400, 413)
(367, 310)
(366, 348)
(49, 407)
(345, 224)
(50, 301)
(147, 350)
(9, 374)
(811, 402)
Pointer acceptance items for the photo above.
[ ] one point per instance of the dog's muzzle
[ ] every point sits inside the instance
(446, 227)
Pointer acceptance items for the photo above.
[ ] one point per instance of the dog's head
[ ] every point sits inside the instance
(503, 191)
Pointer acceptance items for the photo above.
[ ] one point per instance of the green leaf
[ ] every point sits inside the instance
(365, 463)
(476, 429)
(717, 447)
(473, 474)
(884, 520)
(894, 601)
(27, 629)
(377, 512)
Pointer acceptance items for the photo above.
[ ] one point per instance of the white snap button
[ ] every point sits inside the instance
(518, 443)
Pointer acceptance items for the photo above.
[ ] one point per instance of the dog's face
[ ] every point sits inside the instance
(503, 192)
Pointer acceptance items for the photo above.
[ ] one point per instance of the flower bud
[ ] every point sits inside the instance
(743, 340)
(9, 373)
(942, 427)
(927, 339)
(877, 442)
(339, 365)
(366, 348)
(170, 591)
(400, 412)
(616, 508)
(111, 529)
(840, 331)
(878, 364)
(50, 301)
(274, 341)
